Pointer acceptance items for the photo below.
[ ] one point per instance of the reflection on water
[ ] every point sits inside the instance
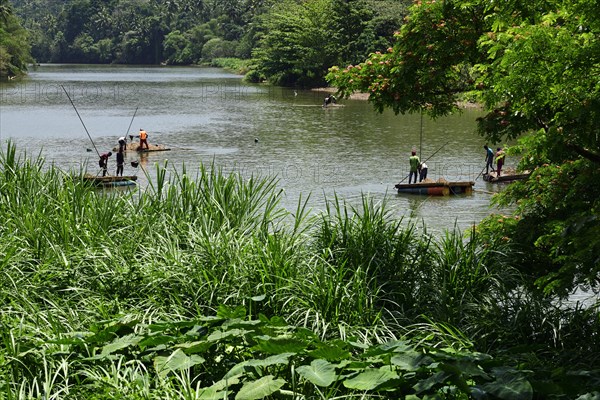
(207, 115)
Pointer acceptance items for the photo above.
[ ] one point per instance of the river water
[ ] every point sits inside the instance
(209, 115)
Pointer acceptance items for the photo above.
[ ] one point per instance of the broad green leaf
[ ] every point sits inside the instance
(371, 379)
(411, 360)
(272, 360)
(330, 351)
(388, 347)
(509, 385)
(178, 360)
(155, 340)
(243, 324)
(211, 394)
(260, 389)
(195, 347)
(282, 344)
(176, 325)
(120, 343)
(225, 383)
(230, 312)
(430, 383)
(220, 335)
(320, 372)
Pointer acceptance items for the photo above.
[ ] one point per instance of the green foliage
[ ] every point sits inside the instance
(218, 48)
(295, 42)
(254, 359)
(105, 295)
(553, 51)
(139, 32)
(535, 68)
(298, 41)
(427, 66)
(14, 43)
(559, 245)
(237, 65)
(177, 49)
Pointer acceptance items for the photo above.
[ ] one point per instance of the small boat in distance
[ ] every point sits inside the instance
(105, 181)
(439, 188)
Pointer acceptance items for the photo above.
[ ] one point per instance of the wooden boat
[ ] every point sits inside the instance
(135, 146)
(440, 188)
(110, 180)
(493, 177)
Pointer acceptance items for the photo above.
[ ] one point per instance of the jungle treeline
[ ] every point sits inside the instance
(287, 42)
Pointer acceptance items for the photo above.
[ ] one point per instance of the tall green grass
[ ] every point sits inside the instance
(84, 271)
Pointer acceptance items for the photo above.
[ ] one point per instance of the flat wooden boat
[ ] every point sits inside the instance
(126, 180)
(135, 146)
(443, 188)
(493, 177)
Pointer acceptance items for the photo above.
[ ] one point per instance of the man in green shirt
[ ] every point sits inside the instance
(414, 166)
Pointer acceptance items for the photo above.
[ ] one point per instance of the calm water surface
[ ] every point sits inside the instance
(209, 115)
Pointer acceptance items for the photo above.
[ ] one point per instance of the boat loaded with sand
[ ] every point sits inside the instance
(493, 177)
(135, 146)
(439, 188)
(107, 181)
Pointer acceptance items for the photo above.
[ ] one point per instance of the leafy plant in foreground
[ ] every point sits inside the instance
(227, 356)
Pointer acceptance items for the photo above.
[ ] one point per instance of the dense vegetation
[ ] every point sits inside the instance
(288, 42)
(202, 286)
(536, 68)
(14, 44)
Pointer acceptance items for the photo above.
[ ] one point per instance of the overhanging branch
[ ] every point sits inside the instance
(594, 157)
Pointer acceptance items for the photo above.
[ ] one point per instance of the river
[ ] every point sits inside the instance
(209, 115)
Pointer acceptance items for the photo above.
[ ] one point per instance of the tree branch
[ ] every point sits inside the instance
(594, 157)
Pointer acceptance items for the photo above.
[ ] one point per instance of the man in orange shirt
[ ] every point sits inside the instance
(143, 139)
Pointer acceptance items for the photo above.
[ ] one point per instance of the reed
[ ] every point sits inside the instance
(83, 271)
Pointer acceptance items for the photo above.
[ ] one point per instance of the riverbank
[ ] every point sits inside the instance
(468, 105)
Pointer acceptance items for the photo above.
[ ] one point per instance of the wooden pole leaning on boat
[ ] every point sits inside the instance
(434, 153)
(80, 119)
(480, 173)
(129, 127)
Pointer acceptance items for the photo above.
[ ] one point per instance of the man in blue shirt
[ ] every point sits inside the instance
(489, 159)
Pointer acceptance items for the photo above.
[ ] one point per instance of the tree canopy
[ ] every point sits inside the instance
(291, 42)
(297, 41)
(14, 45)
(536, 69)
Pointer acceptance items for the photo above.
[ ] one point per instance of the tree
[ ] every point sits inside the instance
(176, 48)
(293, 46)
(536, 69)
(14, 45)
(217, 48)
(299, 40)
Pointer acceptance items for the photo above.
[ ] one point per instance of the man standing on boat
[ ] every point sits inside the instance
(122, 143)
(414, 166)
(143, 139)
(120, 162)
(489, 159)
(103, 162)
(499, 160)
